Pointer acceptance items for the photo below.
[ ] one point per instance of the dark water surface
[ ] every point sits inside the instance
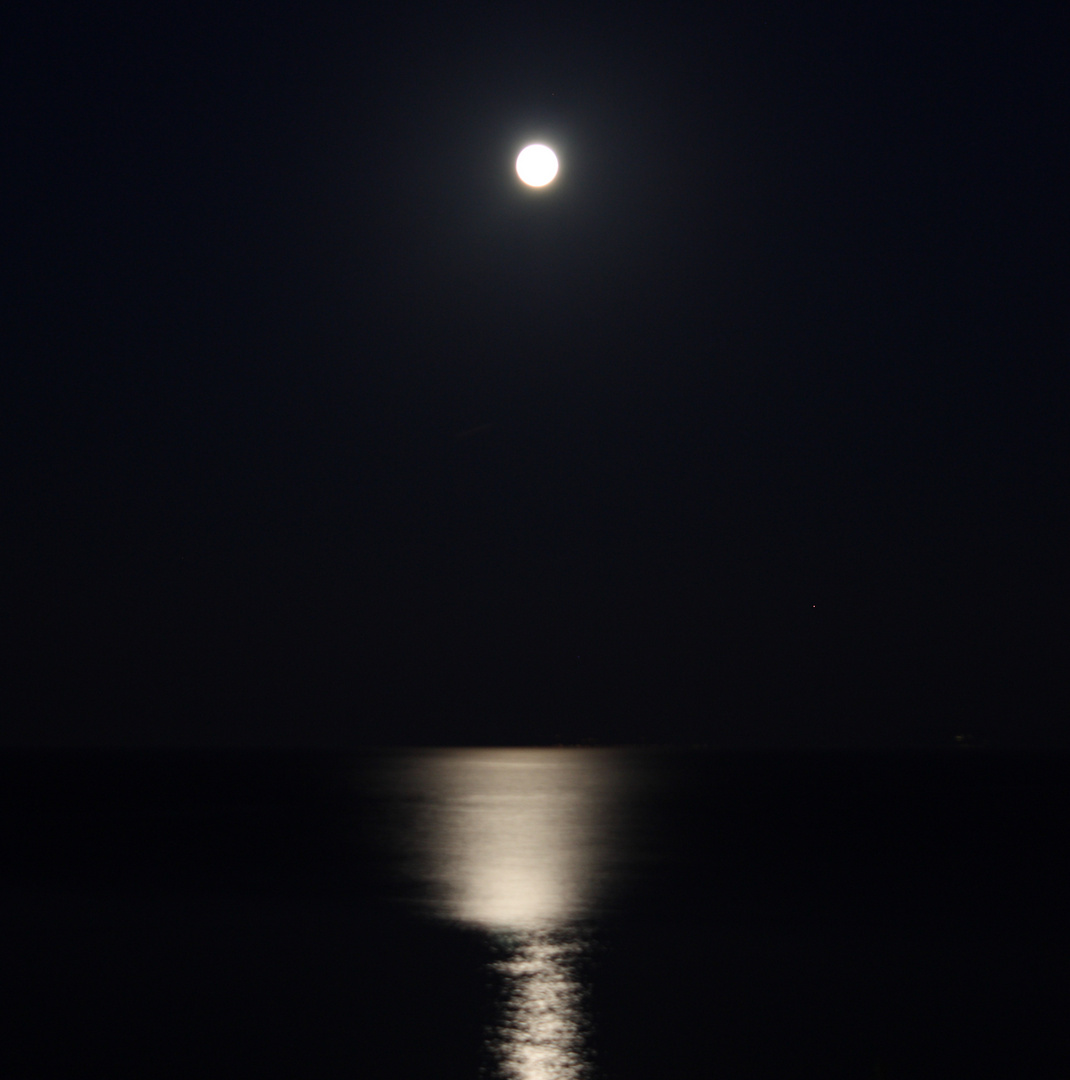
(534, 914)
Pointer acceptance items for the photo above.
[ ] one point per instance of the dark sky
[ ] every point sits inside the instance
(750, 431)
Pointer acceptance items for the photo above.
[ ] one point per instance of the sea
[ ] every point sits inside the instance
(543, 913)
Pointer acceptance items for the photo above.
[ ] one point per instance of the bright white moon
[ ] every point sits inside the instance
(536, 165)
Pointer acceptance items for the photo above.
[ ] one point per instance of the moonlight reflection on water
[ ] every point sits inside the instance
(519, 842)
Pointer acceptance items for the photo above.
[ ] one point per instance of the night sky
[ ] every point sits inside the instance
(751, 430)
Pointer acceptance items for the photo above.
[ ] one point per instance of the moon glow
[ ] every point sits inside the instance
(536, 165)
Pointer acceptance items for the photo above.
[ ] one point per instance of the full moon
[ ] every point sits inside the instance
(536, 165)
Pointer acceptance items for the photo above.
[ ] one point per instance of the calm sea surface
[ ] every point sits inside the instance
(534, 914)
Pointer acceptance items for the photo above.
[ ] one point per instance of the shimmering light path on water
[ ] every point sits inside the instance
(541, 1033)
(519, 842)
